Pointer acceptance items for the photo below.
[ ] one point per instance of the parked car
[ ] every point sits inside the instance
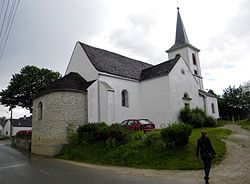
(139, 124)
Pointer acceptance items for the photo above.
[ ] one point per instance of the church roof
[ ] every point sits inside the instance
(159, 70)
(116, 64)
(70, 82)
(204, 93)
(181, 39)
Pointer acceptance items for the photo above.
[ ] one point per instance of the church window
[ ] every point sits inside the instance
(182, 71)
(194, 59)
(187, 105)
(186, 97)
(195, 72)
(40, 111)
(124, 98)
(212, 106)
(177, 55)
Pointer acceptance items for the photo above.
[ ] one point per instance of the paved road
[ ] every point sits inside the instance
(19, 168)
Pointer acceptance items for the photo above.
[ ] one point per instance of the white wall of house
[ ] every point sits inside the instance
(181, 83)
(80, 63)
(155, 100)
(212, 111)
(1, 130)
(110, 100)
(6, 129)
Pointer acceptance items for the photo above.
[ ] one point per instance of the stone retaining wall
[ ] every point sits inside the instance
(23, 144)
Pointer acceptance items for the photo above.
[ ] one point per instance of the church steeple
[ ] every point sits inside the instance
(188, 52)
(181, 38)
(181, 35)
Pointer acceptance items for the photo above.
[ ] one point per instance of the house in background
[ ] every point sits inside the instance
(13, 126)
(127, 88)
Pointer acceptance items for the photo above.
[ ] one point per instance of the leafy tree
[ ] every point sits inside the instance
(24, 85)
(235, 101)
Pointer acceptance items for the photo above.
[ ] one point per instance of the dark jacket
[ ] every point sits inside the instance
(204, 146)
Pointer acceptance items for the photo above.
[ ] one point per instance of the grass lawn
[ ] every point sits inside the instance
(154, 156)
(244, 124)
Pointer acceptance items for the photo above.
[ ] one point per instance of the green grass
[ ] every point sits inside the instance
(154, 156)
(244, 124)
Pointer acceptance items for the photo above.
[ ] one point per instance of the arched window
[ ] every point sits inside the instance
(124, 98)
(177, 55)
(186, 97)
(40, 111)
(194, 59)
(212, 106)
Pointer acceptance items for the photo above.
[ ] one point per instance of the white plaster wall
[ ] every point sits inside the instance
(181, 84)
(80, 63)
(155, 100)
(209, 101)
(186, 53)
(7, 129)
(108, 98)
(16, 129)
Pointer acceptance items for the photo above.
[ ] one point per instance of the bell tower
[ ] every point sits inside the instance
(188, 52)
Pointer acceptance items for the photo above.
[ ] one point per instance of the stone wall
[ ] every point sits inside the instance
(59, 110)
(23, 144)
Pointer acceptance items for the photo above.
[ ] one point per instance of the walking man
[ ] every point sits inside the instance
(207, 153)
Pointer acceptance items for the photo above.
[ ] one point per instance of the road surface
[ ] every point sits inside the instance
(20, 168)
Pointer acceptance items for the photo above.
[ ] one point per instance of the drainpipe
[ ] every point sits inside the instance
(98, 100)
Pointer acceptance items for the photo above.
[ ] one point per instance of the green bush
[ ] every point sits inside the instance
(176, 134)
(92, 132)
(196, 117)
(210, 122)
(119, 133)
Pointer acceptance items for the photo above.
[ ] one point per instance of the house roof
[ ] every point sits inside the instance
(22, 122)
(207, 94)
(116, 64)
(159, 70)
(70, 82)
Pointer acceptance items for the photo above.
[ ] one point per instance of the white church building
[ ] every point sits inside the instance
(126, 88)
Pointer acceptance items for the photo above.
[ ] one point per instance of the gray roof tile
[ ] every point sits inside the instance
(112, 63)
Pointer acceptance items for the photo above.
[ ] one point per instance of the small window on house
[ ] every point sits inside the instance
(194, 59)
(212, 106)
(182, 71)
(125, 98)
(187, 105)
(195, 72)
(40, 111)
(177, 55)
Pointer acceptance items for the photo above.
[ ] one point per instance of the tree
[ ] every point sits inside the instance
(24, 85)
(235, 101)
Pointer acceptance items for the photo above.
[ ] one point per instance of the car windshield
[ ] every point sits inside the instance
(145, 121)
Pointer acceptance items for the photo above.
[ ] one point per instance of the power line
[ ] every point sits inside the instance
(6, 19)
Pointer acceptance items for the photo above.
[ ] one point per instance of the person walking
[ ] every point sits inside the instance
(207, 153)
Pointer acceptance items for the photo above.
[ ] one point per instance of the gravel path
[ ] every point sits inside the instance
(234, 169)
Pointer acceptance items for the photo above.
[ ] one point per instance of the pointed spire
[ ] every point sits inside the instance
(181, 38)
(181, 35)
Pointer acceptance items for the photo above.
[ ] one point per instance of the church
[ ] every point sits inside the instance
(102, 86)
(127, 88)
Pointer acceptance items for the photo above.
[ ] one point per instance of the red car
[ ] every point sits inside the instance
(139, 124)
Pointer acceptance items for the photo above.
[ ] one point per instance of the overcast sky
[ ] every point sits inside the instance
(44, 34)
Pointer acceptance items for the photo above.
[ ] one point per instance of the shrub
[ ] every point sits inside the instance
(196, 117)
(210, 122)
(151, 138)
(92, 132)
(176, 134)
(24, 134)
(119, 133)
